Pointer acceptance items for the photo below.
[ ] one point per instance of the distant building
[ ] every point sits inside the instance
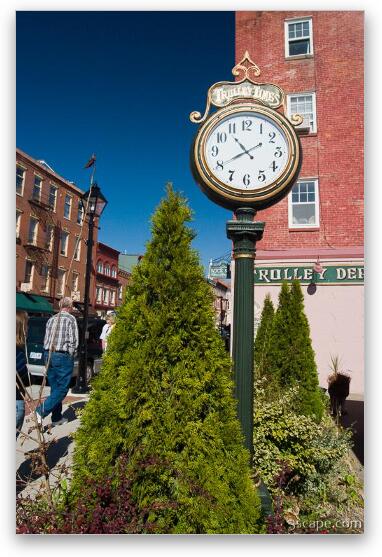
(107, 284)
(50, 249)
(317, 58)
(126, 263)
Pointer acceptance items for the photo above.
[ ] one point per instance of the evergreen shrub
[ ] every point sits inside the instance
(165, 391)
(263, 336)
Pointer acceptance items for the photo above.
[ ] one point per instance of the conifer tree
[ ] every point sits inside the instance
(164, 396)
(291, 356)
(263, 336)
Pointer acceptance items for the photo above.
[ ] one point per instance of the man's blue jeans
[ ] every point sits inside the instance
(59, 376)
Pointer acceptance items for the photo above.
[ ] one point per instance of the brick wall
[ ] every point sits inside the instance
(334, 154)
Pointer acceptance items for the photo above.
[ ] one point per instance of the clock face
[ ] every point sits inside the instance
(247, 151)
(246, 155)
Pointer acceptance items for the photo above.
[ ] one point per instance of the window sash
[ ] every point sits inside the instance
(37, 185)
(77, 249)
(20, 175)
(304, 104)
(304, 205)
(60, 281)
(298, 37)
(18, 223)
(64, 243)
(32, 232)
(28, 272)
(52, 197)
(67, 206)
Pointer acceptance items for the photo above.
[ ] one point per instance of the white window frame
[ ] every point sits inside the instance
(61, 273)
(80, 210)
(65, 254)
(70, 205)
(100, 266)
(288, 22)
(18, 222)
(18, 165)
(105, 296)
(120, 292)
(75, 281)
(33, 242)
(112, 297)
(107, 269)
(53, 186)
(313, 128)
(28, 261)
(99, 294)
(77, 250)
(47, 276)
(33, 187)
(49, 236)
(304, 226)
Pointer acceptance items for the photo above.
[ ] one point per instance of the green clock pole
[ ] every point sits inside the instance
(244, 232)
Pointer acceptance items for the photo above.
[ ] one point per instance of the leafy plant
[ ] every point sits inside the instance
(165, 391)
(262, 339)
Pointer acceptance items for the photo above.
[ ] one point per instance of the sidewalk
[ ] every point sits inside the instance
(59, 452)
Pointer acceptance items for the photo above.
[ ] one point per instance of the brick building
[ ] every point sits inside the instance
(50, 254)
(317, 58)
(107, 282)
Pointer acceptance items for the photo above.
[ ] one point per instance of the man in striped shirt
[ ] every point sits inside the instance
(61, 341)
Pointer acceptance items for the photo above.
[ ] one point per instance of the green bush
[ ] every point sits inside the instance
(291, 358)
(311, 450)
(165, 392)
(263, 338)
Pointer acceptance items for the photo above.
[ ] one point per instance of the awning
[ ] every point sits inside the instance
(32, 303)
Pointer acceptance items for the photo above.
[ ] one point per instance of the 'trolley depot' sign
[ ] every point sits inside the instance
(344, 274)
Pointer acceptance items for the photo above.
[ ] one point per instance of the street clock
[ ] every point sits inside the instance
(247, 154)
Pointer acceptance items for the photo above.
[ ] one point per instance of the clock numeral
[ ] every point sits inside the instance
(246, 125)
(246, 179)
(278, 152)
(261, 128)
(221, 137)
(261, 176)
(219, 165)
(232, 127)
(214, 150)
(273, 166)
(272, 136)
(231, 173)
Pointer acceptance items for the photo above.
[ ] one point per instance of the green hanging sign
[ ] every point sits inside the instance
(332, 274)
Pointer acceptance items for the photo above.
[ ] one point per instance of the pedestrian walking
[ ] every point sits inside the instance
(22, 376)
(107, 328)
(60, 344)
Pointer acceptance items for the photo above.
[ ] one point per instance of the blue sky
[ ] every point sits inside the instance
(122, 85)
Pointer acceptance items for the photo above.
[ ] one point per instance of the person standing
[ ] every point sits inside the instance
(60, 344)
(22, 376)
(106, 329)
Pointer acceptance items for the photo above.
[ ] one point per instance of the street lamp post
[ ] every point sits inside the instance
(94, 203)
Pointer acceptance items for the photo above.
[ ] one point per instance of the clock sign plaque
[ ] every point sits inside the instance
(247, 153)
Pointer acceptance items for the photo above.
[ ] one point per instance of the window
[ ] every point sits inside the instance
(77, 248)
(18, 223)
(75, 281)
(64, 243)
(61, 281)
(20, 176)
(106, 296)
(52, 197)
(49, 237)
(28, 276)
(303, 205)
(80, 212)
(44, 278)
(99, 294)
(113, 272)
(99, 267)
(298, 37)
(119, 292)
(37, 185)
(304, 104)
(107, 269)
(67, 206)
(112, 297)
(32, 233)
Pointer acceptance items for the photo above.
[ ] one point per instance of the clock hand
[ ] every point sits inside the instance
(244, 149)
(241, 154)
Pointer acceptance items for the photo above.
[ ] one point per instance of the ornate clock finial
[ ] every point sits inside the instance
(245, 66)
